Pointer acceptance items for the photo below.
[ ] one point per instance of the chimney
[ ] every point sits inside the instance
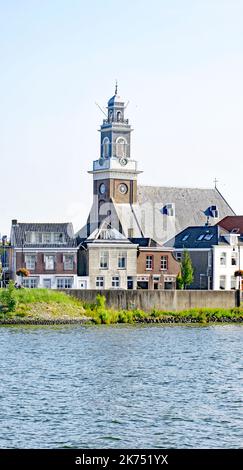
(14, 222)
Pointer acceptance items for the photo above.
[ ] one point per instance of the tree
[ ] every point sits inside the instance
(187, 271)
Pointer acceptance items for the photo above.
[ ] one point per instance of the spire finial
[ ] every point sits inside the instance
(215, 183)
(116, 88)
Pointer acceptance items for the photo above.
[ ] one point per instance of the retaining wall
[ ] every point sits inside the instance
(160, 299)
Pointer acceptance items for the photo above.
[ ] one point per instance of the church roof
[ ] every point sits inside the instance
(177, 208)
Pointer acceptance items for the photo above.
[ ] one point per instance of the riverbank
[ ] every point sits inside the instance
(47, 307)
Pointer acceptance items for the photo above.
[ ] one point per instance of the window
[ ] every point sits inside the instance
(200, 237)
(222, 282)
(118, 116)
(30, 283)
(164, 263)
(58, 238)
(185, 237)
(120, 147)
(28, 236)
(64, 283)
(106, 144)
(104, 259)
(122, 260)
(149, 262)
(99, 281)
(30, 261)
(46, 238)
(115, 282)
(233, 283)
(178, 256)
(223, 259)
(68, 262)
(208, 236)
(49, 262)
(234, 258)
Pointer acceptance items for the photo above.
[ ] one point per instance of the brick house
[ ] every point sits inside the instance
(48, 251)
(157, 267)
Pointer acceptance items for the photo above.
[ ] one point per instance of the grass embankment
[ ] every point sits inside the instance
(43, 305)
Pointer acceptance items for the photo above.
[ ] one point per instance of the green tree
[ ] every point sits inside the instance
(8, 297)
(187, 271)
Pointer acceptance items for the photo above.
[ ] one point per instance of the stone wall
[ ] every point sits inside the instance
(160, 299)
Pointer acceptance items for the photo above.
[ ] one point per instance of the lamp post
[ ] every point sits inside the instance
(4, 238)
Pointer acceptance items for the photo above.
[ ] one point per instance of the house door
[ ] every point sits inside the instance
(130, 283)
(47, 283)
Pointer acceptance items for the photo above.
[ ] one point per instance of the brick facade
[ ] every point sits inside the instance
(156, 277)
(40, 264)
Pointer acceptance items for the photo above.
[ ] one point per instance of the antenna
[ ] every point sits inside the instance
(101, 109)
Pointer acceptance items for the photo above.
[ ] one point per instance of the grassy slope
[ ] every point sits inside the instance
(48, 305)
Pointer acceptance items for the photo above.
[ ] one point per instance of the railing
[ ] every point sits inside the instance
(111, 121)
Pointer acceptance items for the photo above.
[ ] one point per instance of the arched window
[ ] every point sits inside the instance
(118, 116)
(106, 143)
(121, 147)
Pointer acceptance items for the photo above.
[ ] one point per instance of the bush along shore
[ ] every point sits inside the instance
(48, 307)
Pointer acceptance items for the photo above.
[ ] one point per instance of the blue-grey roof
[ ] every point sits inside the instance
(197, 237)
(19, 231)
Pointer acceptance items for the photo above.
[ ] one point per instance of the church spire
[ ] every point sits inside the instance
(116, 88)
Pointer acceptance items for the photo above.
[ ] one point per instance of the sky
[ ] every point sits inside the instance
(178, 63)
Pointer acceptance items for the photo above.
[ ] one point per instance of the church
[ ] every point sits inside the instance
(152, 212)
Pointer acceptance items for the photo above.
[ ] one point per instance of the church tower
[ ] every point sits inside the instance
(115, 173)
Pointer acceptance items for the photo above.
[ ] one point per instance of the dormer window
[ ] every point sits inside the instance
(106, 144)
(214, 212)
(121, 147)
(169, 210)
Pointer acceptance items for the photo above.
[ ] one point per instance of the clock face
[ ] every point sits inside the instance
(123, 161)
(123, 188)
(102, 188)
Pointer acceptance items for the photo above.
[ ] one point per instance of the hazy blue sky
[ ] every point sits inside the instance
(179, 62)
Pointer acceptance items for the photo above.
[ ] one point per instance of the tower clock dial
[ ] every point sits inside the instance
(102, 188)
(123, 161)
(123, 188)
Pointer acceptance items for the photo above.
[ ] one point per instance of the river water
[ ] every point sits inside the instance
(121, 387)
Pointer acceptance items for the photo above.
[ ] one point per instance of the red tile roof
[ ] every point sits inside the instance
(232, 223)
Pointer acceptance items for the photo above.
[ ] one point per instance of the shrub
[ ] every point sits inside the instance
(8, 297)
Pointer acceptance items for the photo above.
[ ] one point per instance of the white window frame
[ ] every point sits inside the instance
(223, 258)
(222, 282)
(149, 262)
(30, 282)
(115, 282)
(64, 283)
(164, 262)
(105, 147)
(68, 265)
(122, 259)
(47, 260)
(234, 257)
(100, 282)
(121, 147)
(233, 285)
(30, 262)
(104, 259)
